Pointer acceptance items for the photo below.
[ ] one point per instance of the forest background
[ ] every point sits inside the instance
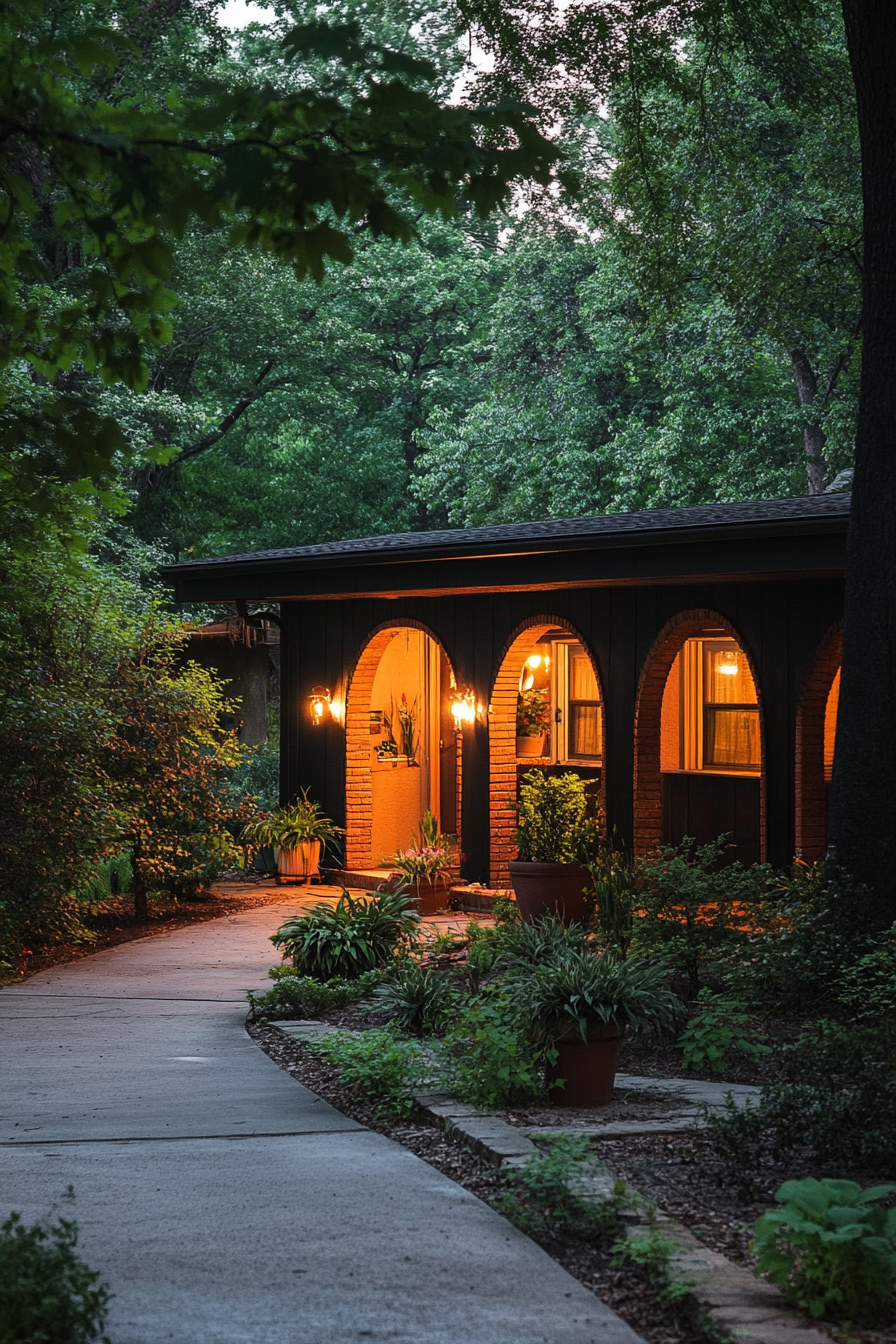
(672, 318)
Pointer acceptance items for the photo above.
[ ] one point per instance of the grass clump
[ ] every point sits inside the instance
(354, 936)
(301, 996)
(419, 999)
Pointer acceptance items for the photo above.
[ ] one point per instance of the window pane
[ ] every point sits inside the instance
(728, 677)
(732, 737)
(582, 681)
(585, 730)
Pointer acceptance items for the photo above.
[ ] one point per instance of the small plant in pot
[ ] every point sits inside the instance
(533, 720)
(552, 829)
(424, 865)
(297, 833)
(581, 1006)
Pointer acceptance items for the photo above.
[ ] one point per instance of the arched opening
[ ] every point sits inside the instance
(545, 713)
(699, 758)
(402, 755)
(816, 728)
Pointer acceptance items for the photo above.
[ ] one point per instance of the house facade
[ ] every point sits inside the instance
(685, 662)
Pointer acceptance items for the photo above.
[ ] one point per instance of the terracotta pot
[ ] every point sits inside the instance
(299, 864)
(549, 889)
(430, 894)
(530, 746)
(588, 1067)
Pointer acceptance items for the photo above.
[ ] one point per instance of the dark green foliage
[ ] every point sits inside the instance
(355, 936)
(111, 877)
(580, 988)
(298, 822)
(550, 817)
(516, 944)
(835, 1108)
(549, 1195)
(489, 1058)
(296, 996)
(419, 999)
(866, 989)
(832, 1248)
(383, 1069)
(720, 1029)
(617, 896)
(693, 910)
(47, 1294)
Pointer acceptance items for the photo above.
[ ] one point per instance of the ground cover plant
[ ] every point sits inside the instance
(832, 1247)
(382, 1067)
(48, 1295)
(303, 996)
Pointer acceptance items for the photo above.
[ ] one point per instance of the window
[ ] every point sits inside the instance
(559, 709)
(717, 710)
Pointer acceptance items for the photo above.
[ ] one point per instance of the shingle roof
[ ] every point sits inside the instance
(627, 528)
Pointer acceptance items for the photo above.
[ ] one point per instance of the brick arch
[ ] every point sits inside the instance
(502, 735)
(811, 789)
(648, 818)
(358, 779)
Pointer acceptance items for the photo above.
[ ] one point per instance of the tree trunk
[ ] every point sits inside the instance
(862, 828)
(138, 885)
(814, 437)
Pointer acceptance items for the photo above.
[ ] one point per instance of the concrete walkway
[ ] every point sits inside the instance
(224, 1202)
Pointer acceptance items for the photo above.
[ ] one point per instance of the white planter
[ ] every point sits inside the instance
(301, 863)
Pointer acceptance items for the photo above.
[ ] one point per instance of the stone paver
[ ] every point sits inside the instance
(223, 1201)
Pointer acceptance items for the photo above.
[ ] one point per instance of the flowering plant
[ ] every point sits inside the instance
(533, 713)
(423, 862)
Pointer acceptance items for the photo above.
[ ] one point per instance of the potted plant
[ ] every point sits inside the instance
(533, 719)
(424, 866)
(297, 833)
(581, 1005)
(546, 876)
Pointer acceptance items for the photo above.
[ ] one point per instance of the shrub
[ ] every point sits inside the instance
(385, 1070)
(303, 997)
(836, 1108)
(547, 1194)
(866, 988)
(617, 898)
(518, 944)
(692, 910)
(721, 1028)
(353, 937)
(418, 999)
(832, 1248)
(488, 1058)
(550, 817)
(47, 1294)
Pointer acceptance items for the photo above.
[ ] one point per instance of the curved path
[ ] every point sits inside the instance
(224, 1202)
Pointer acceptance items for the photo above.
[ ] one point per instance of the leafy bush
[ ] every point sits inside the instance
(418, 999)
(836, 1108)
(47, 1294)
(297, 996)
(385, 1070)
(353, 937)
(692, 910)
(832, 1248)
(550, 817)
(546, 1195)
(721, 1028)
(866, 988)
(519, 944)
(578, 989)
(488, 1058)
(617, 898)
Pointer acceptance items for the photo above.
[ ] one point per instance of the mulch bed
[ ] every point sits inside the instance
(113, 921)
(625, 1288)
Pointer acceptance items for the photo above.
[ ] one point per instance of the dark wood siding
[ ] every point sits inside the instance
(705, 806)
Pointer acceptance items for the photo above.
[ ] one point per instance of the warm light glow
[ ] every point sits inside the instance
(319, 702)
(728, 664)
(337, 711)
(528, 682)
(463, 708)
(534, 660)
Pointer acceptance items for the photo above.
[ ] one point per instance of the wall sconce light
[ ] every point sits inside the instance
(319, 703)
(728, 663)
(463, 708)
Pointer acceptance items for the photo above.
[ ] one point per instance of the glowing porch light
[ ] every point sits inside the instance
(728, 664)
(463, 708)
(319, 703)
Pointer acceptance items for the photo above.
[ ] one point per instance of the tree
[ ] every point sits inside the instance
(108, 185)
